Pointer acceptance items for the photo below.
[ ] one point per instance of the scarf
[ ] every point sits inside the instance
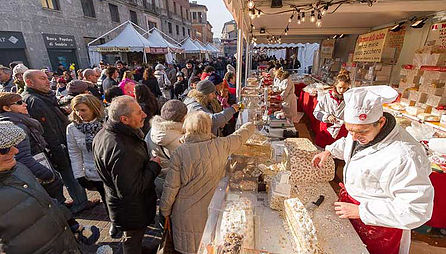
(385, 131)
(90, 130)
(33, 125)
(51, 100)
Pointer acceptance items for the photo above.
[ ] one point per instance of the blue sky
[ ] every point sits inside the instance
(217, 14)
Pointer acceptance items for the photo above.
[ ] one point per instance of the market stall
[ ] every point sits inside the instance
(191, 49)
(259, 207)
(371, 39)
(159, 45)
(128, 40)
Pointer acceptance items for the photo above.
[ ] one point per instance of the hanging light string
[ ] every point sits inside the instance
(316, 11)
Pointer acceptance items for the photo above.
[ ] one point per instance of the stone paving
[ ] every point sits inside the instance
(97, 216)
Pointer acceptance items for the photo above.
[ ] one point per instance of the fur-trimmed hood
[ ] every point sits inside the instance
(164, 132)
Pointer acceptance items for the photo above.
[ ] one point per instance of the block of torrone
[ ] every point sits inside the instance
(298, 155)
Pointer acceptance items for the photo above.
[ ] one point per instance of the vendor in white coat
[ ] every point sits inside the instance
(289, 97)
(387, 189)
(330, 108)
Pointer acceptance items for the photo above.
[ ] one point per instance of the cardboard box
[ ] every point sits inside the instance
(436, 101)
(417, 96)
(435, 75)
(437, 112)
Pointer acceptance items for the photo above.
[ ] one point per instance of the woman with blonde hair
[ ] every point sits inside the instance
(86, 118)
(192, 177)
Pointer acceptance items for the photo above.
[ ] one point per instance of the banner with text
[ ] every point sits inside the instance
(437, 35)
(327, 48)
(369, 47)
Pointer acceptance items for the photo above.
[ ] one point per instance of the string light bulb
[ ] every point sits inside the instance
(251, 4)
(319, 20)
(313, 17)
(303, 16)
(291, 18)
(324, 10)
(299, 19)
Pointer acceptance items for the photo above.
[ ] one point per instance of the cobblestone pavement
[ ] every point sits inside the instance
(97, 216)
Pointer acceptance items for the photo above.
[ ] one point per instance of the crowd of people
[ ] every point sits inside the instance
(136, 136)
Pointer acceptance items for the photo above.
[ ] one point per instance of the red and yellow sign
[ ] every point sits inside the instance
(437, 35)
(369, 47)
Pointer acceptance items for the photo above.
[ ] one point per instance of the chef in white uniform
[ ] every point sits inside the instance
(386, 191)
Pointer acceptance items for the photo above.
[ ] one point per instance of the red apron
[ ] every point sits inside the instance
(379, 240)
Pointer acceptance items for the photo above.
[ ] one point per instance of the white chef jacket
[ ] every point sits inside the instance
(327, 106)
(391, 181)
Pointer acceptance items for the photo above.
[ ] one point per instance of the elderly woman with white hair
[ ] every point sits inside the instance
(195, 169)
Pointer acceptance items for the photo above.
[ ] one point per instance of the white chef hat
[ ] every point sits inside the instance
(363, 105)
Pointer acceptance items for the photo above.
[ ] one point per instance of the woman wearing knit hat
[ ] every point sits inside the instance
(74, 87)
(164, 136)
(33, 212)
(17, 74)
(31, 149)
(200, 99)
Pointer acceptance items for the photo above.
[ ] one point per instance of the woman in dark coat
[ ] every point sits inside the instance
(13, 109)
(148, 103)
(151, 82)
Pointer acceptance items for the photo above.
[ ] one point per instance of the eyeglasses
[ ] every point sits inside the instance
(20, 102)
(4, 151)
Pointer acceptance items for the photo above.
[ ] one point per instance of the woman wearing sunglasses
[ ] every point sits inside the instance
(32, 148)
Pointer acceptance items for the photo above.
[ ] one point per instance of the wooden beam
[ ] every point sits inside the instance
(315, 31)
(380, 6)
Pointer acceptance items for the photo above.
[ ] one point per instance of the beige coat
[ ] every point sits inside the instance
(195, 169)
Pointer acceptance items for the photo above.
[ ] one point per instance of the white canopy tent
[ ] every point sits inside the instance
(200, 46)
(160, 45)
(129, 40)
(212, 49)
(189, 46)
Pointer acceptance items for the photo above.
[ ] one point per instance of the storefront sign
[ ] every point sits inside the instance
(113, 49)
(437, 35)
(369, 47)
(327, 48)
(11, 40)
(56, 41)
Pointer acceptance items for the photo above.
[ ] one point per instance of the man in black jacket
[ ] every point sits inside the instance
(123, 163)
(42, 106)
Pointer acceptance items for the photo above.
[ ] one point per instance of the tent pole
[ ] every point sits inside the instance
(107, 33)
(239, 57)
(247, 56)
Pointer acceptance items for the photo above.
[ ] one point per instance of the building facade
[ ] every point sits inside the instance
(175, 18)
(48, 32)
(229, 38)
(201, 28)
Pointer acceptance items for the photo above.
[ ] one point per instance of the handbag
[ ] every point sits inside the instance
(166, 246)
(42, 158)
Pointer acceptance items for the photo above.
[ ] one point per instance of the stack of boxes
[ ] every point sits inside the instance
(423, 84)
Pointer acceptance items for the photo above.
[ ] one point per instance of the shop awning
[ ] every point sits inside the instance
(348, 18)
(190, 47)
(129, 40)
(279, 46)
